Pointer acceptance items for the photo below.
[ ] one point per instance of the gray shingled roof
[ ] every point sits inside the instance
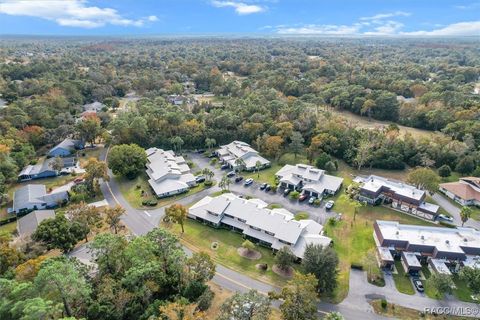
(28, 224)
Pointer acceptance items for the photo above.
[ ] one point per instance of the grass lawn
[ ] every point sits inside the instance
(265, 175)
(354, 239)
(9, 227)
(399, 312)
(199, 237)
(132, 191)
(87, 153)
(402, 280)
(461, 291)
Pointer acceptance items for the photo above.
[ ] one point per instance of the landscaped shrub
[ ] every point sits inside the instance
(384, 304)
(213, 161)
(301, 216)
(332, 221)
(444, 171)
(317, 202)
(208, 183)
(205, 300)
(150, 203)
(294, 195)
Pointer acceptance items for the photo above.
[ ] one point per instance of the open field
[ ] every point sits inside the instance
(199, 237)
(365, 122)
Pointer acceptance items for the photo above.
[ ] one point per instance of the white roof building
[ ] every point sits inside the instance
(273, 227)
(309, 178)
(237, 149)
(169, 174)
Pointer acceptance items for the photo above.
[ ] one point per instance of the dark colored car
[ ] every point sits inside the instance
(238, 179)
(268, 188)
(263, 186)
(224, 166)
(199, 179)
(419, 285)
(212, 155)
(201, 151)
(302, 197)
(286, 192)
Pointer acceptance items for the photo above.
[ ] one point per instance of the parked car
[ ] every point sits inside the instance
(248, 182)
(419, 285)
(224, 166)
(268, 188)
(238, 179)
(302, 197)
(263, 186)
(329, 205)
(231, 174)
(199, 179)
(201, 151)
(445, 217)
(312, 200)
(286, 192)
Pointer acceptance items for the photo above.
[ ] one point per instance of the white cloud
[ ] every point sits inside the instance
(240, 7)
(471, 28)
(71, 13)
(386, 28)
(386, 15)
(325, 29)
(472, 5)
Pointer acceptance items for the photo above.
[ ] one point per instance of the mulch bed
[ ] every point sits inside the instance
(283, 273)
(249, 254)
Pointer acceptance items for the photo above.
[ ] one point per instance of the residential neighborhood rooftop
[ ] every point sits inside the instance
(374, 183)
(237, 149)
(27, 224)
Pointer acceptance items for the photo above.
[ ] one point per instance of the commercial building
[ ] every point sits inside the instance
(273, 228)
(230, 154)
(401, 196)
(311, 180)
(169, 174)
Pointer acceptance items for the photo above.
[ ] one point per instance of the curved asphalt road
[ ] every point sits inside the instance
(140, 222)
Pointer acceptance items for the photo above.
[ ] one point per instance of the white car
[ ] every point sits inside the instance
(248, 182)
(444, 217)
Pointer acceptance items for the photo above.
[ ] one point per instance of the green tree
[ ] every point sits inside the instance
(177, 213)
(225, 183)
(61, 279)
(424, 178)
(465, 165)
(128, 160)
(60, 233)
(333, 316)
(10, 257)
(299, 298)
(296, 144)
(57, 164)
(465, 214)
(322, 262)
(284, 258)
(472, 277)
(441, 283)
(322, 159)
(201, 267)
(112, 217)
(208, 174)
(240, 164)
(210, 142)
(245, 306)
(177, 143)
(89, 128)
(87, 216)
(444, 171)
(258, 166)
(248, 245)
(330, 166)
(95, 170)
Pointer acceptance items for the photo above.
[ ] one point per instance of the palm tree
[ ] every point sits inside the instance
(258, 166)
(208, 173)
(225, 183)
(210, 142)
(240, 164)
(465, 214)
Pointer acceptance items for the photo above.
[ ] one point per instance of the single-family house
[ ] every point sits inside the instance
(44, 169)
(35, 197)
(465, 191)
(230, 153)
(311, 180)
(169, 174)
(401, 196)
(66, 148)
(438, 247)
(273, 228)
(27, 224)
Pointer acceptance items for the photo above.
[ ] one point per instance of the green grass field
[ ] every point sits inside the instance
(266, 175)
(200, 237)
(402, 280)
(9, 227)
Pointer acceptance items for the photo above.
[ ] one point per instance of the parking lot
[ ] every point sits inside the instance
(317, 213)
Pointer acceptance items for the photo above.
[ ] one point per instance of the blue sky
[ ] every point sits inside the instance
(290, 17)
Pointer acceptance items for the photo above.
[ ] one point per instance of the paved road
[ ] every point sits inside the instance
(140, 222)
(454, 211)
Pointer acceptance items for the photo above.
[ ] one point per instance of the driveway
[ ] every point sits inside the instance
(454, 211)
(317, 213)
